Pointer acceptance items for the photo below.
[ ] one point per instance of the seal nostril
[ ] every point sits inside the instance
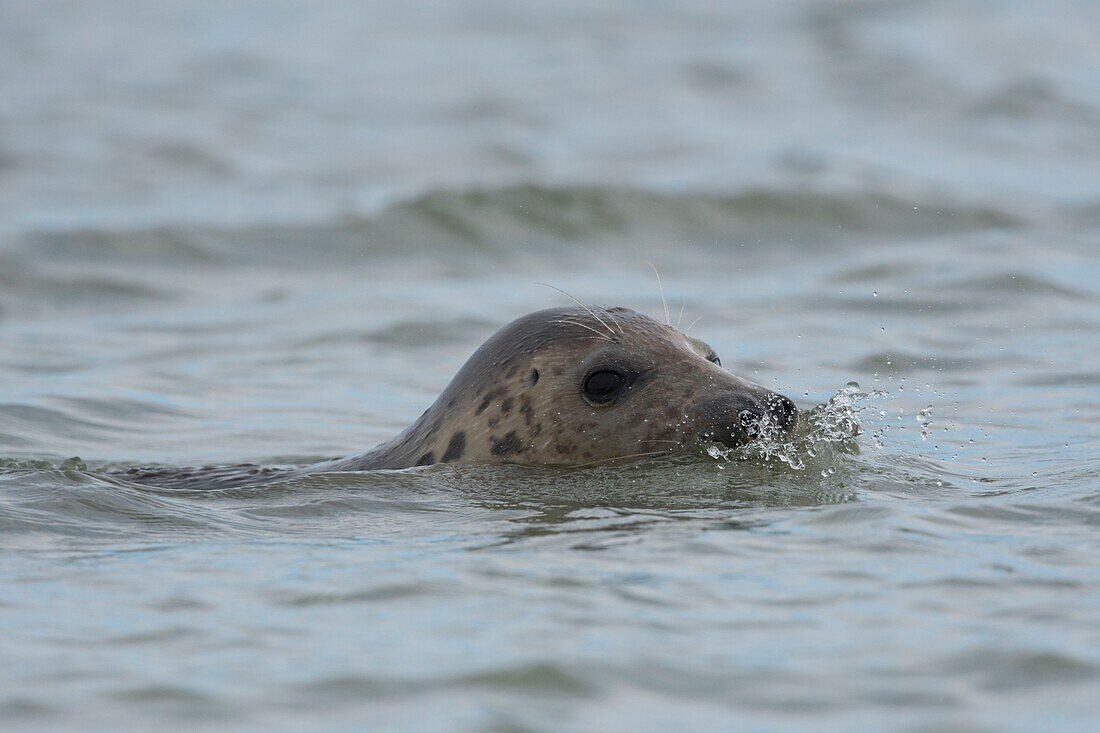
(784, 410)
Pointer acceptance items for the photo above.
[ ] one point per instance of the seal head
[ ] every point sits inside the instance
(579, 386)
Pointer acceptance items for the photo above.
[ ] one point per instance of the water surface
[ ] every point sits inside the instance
(272, 232)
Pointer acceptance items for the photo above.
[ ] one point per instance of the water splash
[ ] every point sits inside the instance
(824, 431)
(924, 419)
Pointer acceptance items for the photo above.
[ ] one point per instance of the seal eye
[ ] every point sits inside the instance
(713, 359)
(603, 386)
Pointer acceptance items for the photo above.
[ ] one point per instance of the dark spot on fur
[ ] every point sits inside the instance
(456, 447)
(426, 460)
(537, 428)
(533, 377)
(558, 371)
(506, 405)
(526, 409)
(507, 445)
(494, 420)
(492, 395)
(565, 449)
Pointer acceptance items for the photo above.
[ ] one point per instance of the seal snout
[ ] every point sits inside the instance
(782, 410)
(738, 417)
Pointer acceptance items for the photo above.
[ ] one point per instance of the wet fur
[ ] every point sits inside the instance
(495, 410)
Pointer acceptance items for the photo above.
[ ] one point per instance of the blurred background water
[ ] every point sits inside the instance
(272, 231)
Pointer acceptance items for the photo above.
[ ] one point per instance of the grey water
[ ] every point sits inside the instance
(270, 232)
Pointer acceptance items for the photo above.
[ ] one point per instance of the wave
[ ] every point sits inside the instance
(517, 218)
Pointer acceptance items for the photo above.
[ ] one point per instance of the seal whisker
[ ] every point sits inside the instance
(602, 335)
(661, 290)
(615, 321)
(680, 319)
(582, 305)
(693, 325)
(619, 458)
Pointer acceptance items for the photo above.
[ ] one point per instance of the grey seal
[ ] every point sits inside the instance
(572, 386)
(582, 385)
